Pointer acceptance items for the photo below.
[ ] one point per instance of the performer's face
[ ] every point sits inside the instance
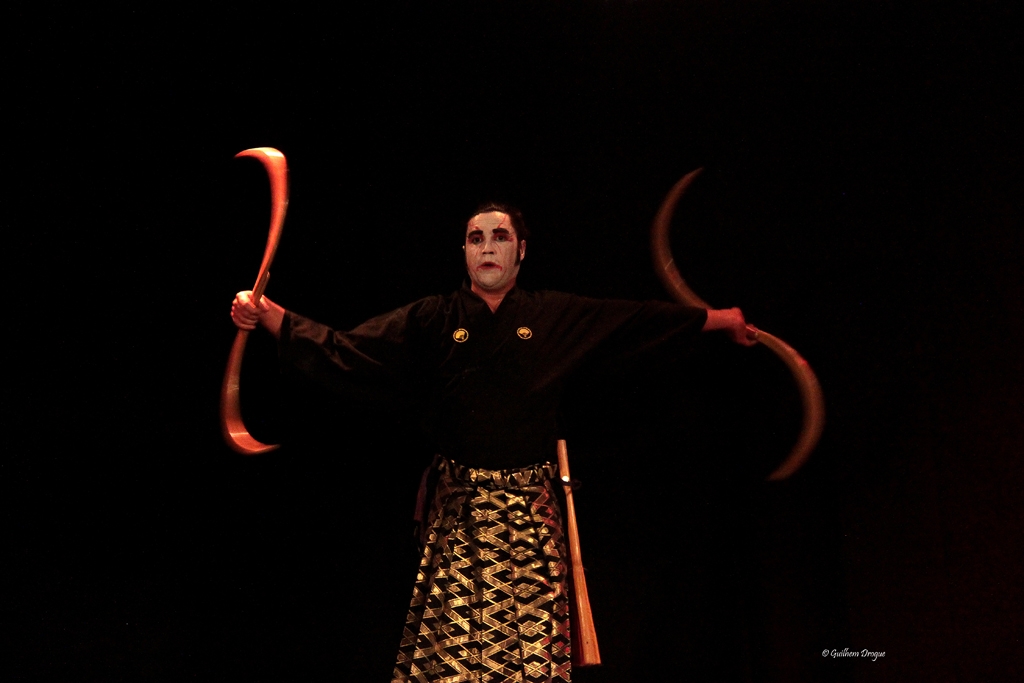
(492, 251)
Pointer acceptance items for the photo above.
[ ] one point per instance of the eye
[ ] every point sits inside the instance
(475, 239)
(502, 238)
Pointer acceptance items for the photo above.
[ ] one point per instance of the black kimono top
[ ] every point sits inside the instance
(491, 382)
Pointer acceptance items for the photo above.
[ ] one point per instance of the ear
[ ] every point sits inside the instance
(522, 249)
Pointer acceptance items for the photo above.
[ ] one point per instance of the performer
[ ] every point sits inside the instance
(490, 360)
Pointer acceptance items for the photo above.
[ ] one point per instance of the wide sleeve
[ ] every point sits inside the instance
(372, 361)
(603, 328)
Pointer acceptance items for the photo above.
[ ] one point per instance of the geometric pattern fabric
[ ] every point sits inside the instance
(490, 602)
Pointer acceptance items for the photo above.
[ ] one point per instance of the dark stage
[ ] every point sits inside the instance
(861, 200)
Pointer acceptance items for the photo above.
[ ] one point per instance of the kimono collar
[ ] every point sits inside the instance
(474, 302)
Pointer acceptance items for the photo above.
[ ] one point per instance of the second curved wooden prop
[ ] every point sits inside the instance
(807, 381)
(584, 638)
(235, 433)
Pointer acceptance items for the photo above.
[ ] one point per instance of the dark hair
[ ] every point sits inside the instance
(522, 232)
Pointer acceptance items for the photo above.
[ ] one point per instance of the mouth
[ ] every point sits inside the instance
(488, 266)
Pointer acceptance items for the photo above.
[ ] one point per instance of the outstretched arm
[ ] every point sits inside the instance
(246, 315)
(732, 322)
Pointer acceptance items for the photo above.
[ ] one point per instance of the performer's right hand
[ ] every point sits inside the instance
(244, 312)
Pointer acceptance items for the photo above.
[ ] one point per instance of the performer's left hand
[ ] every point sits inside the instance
(731, 321)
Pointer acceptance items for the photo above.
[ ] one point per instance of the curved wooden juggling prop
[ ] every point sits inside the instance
(807, 381)
(235, 433)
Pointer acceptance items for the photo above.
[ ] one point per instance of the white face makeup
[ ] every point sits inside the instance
(491, 250)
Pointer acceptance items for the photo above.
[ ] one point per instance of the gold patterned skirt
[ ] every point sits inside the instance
(490, 602)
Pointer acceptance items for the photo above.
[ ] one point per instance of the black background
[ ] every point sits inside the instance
(861, 200)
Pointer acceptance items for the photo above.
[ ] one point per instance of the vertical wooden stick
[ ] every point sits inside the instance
(585, 651)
